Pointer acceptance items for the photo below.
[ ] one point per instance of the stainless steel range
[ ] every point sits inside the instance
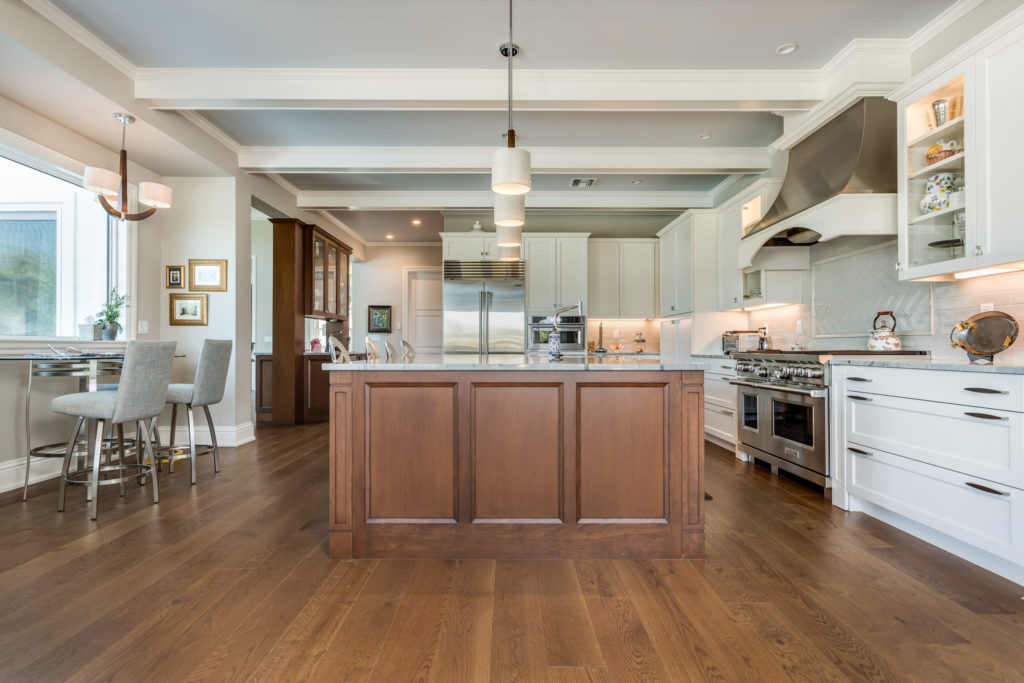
(782, 408)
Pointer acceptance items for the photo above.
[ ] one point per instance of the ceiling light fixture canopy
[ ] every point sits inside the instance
(509, 210)
(110, 186)
(510, 169)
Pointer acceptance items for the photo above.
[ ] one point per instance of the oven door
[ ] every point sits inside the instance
(750, 428)
(796, 429)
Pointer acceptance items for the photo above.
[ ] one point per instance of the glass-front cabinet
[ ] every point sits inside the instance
(326, 276)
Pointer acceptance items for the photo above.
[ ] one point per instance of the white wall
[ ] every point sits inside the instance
(263, 251)
(378, 281)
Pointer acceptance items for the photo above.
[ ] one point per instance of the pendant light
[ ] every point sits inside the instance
(508, 254)
(110, 186)
(510, 168)
(509, 210)
(508, 237)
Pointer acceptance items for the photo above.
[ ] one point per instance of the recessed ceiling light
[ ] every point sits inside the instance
(786, 49)
(637, 181)
(416, 221)
(704, 136)
(390, 237)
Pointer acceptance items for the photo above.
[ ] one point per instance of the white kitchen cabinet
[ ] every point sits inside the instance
(720, 401)
(556, 270)
(938, 453)
(677, 268)
(676, 340)
(980, 230)
(736, 285)
(730, 277)
(623, 278)
(469, 247)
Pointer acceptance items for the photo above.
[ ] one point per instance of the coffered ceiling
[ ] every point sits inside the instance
(368, 111)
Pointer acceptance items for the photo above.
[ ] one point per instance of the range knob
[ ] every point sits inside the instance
(761, 372)
(800, 372)
(815, 373)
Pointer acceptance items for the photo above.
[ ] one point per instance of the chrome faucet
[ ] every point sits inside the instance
(555, 338)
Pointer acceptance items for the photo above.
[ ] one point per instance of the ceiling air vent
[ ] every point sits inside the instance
(583, 182)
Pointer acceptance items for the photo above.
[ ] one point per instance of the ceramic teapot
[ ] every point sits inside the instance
(938, 192)
(883, 337)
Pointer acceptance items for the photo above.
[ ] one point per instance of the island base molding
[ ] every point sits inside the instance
(517, 464)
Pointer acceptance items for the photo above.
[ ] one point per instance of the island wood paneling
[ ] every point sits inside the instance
(485, 464)
(622, 452)
(341, 470)
(411, 436)
(516, 446)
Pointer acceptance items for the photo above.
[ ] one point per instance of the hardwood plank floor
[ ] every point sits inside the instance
(230, 580)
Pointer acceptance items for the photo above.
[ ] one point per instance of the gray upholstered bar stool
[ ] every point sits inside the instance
(205, 391)
(140, 396)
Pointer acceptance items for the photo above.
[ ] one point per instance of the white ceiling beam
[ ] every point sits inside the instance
(578, 199)
(478, 89)
(686, 160)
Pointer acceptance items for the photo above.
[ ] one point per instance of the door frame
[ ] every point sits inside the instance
(407, 274)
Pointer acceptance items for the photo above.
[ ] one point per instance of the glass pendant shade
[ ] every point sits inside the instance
(510, 171)
(509, 210)
(509, 237)
(101, 181)
(508, 254)
(155, 195)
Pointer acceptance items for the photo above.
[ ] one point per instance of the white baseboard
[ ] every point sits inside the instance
(731, 447)
(12, 472)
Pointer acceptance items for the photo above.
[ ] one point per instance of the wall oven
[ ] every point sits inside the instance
(571, 329)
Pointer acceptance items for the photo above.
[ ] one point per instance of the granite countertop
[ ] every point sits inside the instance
(518, 362)
(953, 365)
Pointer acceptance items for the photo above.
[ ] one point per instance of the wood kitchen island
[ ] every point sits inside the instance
(517, 457)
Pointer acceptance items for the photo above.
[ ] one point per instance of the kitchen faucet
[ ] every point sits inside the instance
(555, 338)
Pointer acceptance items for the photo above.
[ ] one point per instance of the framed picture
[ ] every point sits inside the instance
(380, 319)
(188, 309)
(175, 277)
(207, 275)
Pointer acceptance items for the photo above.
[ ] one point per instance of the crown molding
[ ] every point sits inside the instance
(63, 21)
(402, 199)
(340, 225)
(203, 124)
(438, 245)
(947, 18)
(283, 182)
(825, 112)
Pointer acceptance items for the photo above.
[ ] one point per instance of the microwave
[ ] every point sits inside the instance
(740, 341)
(571, 329)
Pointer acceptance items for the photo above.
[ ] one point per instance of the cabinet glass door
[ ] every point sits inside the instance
(935, 164)
(332, 279)
(319, 247)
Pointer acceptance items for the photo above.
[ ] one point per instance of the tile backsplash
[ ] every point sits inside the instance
(951, 303)
(627, 330)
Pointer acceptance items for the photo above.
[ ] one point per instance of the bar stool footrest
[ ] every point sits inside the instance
(83, 477)
(59, 450)
(180, 452)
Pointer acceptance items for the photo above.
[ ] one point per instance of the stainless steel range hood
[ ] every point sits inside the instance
(853, 154)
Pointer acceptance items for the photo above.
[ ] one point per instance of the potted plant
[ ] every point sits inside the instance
(110, 314)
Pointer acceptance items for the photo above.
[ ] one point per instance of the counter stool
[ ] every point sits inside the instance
(339, 354)
(205, 391)
(389, 349)
(140, 395)
(408, 352)
(372, 354)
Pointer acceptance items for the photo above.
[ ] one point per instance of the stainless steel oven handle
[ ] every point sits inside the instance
(813, 393)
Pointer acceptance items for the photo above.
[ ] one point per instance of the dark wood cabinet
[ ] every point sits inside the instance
(316, 404)
(326, 275)
(264, 386)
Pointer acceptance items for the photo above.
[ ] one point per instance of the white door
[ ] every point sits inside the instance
(603, 266)
(637, 281)
(425, 311)
(541, 274)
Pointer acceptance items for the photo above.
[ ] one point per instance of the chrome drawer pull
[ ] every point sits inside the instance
(859, 379)
(860, 398)
(986, 416)
(986, 489)
(983, 390)
(858, 451)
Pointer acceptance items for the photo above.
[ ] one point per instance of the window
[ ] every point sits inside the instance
(59, 254)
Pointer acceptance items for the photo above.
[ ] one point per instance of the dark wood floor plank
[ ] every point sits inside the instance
(598, 579)
(569, 637)
(517, 640)
(625, 645)
(464, 648)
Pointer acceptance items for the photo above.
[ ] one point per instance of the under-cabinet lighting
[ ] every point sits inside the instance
(982, 272)
(761, 307)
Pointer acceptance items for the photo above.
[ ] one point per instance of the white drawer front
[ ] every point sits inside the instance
(720, 422)
(718, 390)
(988, 443)
(983, 389)
(943, 500)
(721, 366)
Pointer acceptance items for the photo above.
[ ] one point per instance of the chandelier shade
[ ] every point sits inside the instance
(509, 237)
(509, 210)
(102, 182)
(112, 188)
(154, 195)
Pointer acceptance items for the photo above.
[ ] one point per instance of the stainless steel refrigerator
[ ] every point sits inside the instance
(484, 307)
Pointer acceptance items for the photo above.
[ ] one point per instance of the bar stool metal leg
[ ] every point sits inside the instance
(92, 438)
(170, 439)
(94, 485)
(151, 456)
(67, 463)
(120, 450)
(28, 429)
(213, 439)
(192, 442)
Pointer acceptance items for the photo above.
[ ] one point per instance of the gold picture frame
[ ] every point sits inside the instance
(207, 275)
(188, 309)
(174, 277)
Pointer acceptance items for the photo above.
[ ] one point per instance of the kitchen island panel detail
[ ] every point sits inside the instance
(623, 452)
(493, 464)
(517, 453)
(411, 459)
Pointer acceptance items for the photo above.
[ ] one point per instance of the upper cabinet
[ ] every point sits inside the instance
(556, 271)
(733, 223)
(959, 166)
(326, 274)
(469, 246)
(623, 280)
(676, 261)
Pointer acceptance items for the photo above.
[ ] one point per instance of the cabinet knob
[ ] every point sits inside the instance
(673, 308)
(899, 266)
(978, 250)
